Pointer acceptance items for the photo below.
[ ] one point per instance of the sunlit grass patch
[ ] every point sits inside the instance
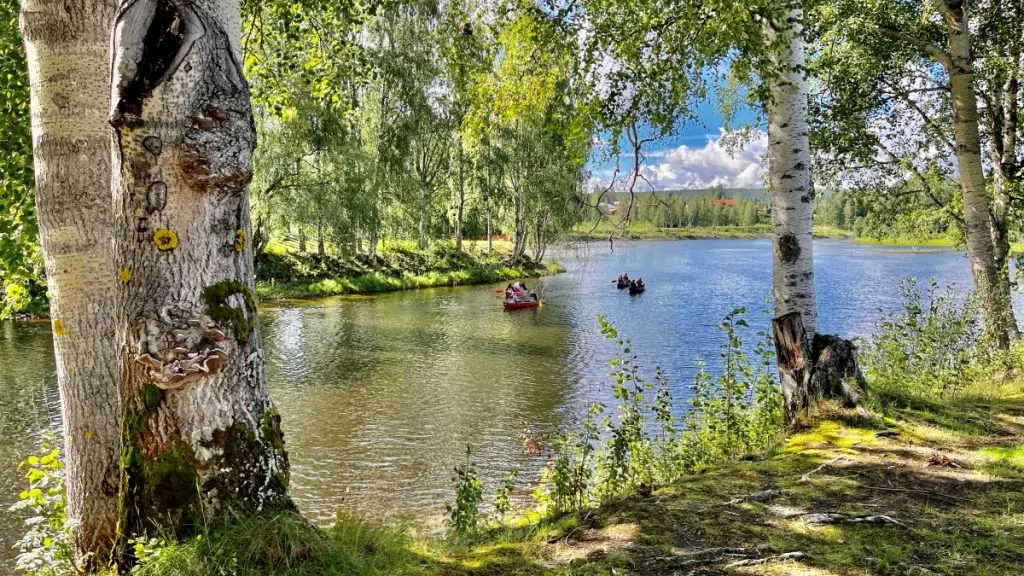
(1004, 461)
(281, 544)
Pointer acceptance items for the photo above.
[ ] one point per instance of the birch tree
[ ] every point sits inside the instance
(66, 45)
(651, 64)
(201, 439)
(990, 283)
(920, 59)
(789, 170)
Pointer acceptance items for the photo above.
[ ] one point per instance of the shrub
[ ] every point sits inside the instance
(608, 456)
(928, 347)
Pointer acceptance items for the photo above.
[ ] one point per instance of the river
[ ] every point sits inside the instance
(380, 396)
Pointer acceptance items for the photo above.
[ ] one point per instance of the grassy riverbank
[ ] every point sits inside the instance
(923, 488)
(646, 231)
(400, 266)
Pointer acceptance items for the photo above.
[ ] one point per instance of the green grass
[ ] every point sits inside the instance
(647, 231)
(284, 273)
(961, 519)
(284, 544)
(379, 283)
(934, 241)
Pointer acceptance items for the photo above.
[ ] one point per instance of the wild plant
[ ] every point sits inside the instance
(926, 347)
(501, 506)
(462, 514)
(47, 548)
(641, 443)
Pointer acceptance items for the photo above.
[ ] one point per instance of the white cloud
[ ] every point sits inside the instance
(713, 163)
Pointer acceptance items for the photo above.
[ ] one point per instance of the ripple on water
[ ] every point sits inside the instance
(380, 396)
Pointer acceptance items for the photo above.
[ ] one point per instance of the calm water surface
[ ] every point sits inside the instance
(380, 396)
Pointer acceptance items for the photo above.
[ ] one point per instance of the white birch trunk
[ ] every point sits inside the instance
(789, 166)
(67, 48)
(990, 282)
(201, 438)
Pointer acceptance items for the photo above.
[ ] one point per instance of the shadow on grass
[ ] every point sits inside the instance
(850, 497)
(951, 520)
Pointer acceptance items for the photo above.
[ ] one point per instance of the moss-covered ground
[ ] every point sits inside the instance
(919, 488)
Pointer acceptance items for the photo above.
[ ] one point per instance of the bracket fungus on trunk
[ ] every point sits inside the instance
(178, 353)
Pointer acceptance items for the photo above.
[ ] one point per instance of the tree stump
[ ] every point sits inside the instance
(836, 373)
(824, 366)
(794, 359)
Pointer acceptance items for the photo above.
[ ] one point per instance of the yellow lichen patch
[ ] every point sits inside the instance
(58, 328)
(89, 434)
(240, 240)
(165, 239)
(125, 276)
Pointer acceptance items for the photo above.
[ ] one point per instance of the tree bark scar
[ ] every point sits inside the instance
(218, 135)
(153, 145)
(788, 248)
(156, 196)
(155, 37)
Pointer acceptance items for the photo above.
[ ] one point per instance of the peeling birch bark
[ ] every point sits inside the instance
(66, 44)
(201, 438)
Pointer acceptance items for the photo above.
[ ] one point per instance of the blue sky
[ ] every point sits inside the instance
(694, 157)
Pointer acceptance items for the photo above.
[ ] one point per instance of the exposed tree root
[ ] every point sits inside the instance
(758, 561)
(806, 477)
(832, 518)
(763, 496)
(706, 556)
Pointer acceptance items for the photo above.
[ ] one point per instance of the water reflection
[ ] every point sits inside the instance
(380, 396)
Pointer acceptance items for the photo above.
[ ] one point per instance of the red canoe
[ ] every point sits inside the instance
(522, 305)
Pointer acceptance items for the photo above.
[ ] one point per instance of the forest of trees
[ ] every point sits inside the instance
(439, 121)
(426, 121)
(673, 209)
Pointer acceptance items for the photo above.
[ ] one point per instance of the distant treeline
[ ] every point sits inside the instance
(869, 214)
(688, 208)
(885, 216)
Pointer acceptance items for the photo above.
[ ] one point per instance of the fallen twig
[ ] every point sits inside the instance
(762, 496)
(706, 556)
(806, 477)
(832, 518)
(758, 561)
(877, 519)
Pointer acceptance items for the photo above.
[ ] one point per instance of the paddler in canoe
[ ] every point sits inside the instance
(519, 296)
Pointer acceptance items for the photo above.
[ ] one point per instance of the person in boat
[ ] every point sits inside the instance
(509, 292)
(517, 292)
(639, 283)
